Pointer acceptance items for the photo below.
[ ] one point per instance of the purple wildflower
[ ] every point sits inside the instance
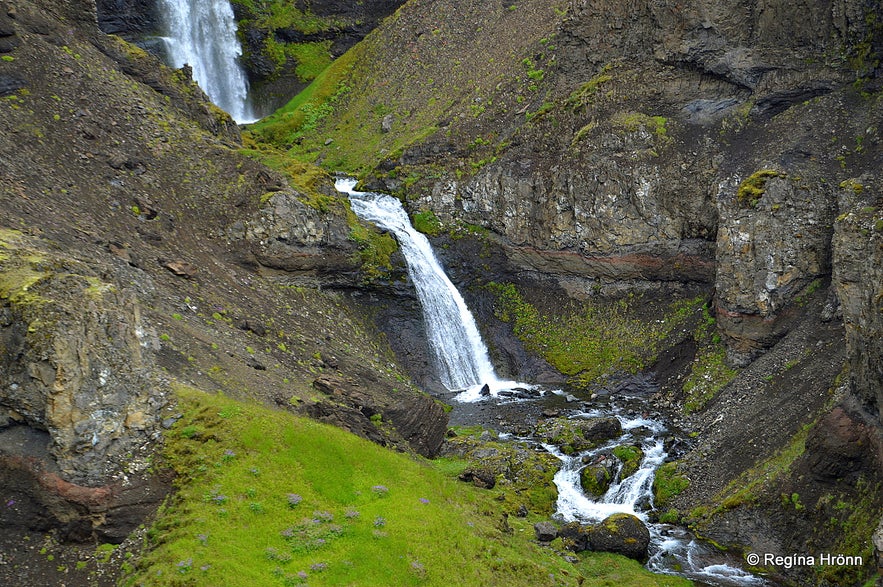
(294, 499)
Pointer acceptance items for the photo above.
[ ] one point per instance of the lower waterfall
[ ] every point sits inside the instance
(461, 357)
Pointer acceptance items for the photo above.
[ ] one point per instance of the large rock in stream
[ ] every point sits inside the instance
(620, 533)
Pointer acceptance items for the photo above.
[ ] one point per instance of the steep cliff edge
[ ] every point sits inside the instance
(139, 247)
(653, 146)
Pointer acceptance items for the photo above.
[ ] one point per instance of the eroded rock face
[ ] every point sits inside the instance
(858, 275)
(769, 247)
(288, 234)
(74, 361)
(418, 420)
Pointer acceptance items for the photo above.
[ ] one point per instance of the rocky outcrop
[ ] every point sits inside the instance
(300, 239)
(38, 497)
(773, 240)
(417, 419)
(131, 19)
(858, 275)
(575, 435)
(74, 361)
(621, 533)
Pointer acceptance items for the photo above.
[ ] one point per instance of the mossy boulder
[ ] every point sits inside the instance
(630, 456)
(621, 533)
(595, 479)
(572, 436)
(525, 475)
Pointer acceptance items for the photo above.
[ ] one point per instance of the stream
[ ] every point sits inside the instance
(480, 397)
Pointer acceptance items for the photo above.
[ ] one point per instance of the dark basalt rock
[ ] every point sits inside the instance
(129, 19)
(545, 531)
(620, 533)
(10, 84)
(420, 423)
(480, 477)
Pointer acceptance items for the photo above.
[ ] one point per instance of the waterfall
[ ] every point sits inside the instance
(461, 356)
(202, 34)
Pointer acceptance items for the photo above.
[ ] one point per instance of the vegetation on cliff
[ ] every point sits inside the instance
(591, 340)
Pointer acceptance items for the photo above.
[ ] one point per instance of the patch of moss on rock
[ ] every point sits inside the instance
(753, 187)
(590, 340)
(630, 456)
(667, 484)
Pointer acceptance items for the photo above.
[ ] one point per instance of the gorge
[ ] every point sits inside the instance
(674, 201)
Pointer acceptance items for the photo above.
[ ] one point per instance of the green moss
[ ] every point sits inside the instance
(852, 522)
(20, 269)
(633, 121)
(375, 247)
(595, 480)
(630, 456)
(709, 372)
(589, 340)
(851, 184)
(303, 114)
(427, 223)
(747, 488)
(753, 187)
(667, 484)
(586, 93)
(312, 58)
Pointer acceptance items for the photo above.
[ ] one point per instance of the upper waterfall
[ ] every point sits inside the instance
(460, 355)
(202, 34)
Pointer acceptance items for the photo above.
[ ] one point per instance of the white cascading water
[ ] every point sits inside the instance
(202, 34)
(461, 356)
(670, 546)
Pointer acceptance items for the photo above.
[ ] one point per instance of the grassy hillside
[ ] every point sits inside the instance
(483, 65)
(272, 499)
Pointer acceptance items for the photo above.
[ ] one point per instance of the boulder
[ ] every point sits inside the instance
(574, 536)
(480, 477)
(595, 478)
(577, 435)
(545, 531)
(622, 534)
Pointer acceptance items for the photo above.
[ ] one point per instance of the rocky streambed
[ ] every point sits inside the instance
(597, 457)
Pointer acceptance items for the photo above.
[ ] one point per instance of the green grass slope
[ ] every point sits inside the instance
(265, 498)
